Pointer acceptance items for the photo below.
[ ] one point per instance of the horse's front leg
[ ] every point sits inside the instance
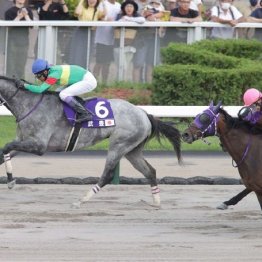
(28, 146)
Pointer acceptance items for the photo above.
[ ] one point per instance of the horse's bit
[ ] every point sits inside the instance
(211, 130)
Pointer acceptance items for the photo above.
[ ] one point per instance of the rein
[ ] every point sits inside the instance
(234, 164)
(32, 110)
(5, 102)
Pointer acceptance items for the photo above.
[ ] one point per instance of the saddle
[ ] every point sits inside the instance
(100, 108)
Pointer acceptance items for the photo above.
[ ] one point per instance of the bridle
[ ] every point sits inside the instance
(5, 101)
(211, 130)
(203, 131)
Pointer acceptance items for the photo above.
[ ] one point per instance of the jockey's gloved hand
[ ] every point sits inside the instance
(245, 113)
(19, 83)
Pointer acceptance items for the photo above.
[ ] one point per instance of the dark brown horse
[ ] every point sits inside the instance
(240, 139)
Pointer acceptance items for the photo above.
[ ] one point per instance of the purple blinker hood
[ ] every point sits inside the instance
(207, 120)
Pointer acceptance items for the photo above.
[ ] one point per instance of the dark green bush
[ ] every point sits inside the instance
(188, 54)
(194, 75)
(241, 48)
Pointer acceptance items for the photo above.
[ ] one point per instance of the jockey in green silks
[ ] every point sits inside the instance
(76, 79)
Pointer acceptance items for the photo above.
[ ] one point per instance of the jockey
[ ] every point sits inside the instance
(76, 79)
(252, 111)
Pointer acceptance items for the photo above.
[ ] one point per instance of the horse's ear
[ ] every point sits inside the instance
(211, 104)
(217, 107)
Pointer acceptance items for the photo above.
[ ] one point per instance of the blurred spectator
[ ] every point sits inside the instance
(183, 13)
(153, 11)
(141, 5)
(86, 10)
(171, 4)
(243, 7)
(256, 17)
(129, 12)
(18, 39)
(143, 60)
(256, 14)
(196, 5)
(225, 13)
(57, 10)
(104, 39)
(5, 4)
(168, 34)
(53, 10)
(254, 4)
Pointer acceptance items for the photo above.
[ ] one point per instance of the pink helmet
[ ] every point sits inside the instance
(251, 96)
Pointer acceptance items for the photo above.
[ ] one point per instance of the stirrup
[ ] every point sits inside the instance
(83, 118)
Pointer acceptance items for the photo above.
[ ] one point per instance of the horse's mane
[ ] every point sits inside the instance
(236, 123)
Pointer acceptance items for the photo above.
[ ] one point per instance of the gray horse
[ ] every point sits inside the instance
(42, 127)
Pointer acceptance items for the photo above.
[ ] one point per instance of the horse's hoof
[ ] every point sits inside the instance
(85, 199)
(223, 206)
(76, 204)
(11, 184)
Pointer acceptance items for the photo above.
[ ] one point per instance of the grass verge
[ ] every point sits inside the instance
(8, 127)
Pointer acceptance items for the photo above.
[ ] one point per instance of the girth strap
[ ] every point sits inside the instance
(72, 141)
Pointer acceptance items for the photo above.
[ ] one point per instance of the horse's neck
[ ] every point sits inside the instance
(235, 141)
(23, 102)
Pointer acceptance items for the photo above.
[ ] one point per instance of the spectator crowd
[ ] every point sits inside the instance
(102, 42)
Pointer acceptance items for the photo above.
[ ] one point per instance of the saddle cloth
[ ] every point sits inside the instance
(99, 107)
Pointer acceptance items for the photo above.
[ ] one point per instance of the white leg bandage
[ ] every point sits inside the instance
(156, 195)
(95, 189)
(8, 165)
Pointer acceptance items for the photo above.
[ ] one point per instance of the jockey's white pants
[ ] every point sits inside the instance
(87, 84)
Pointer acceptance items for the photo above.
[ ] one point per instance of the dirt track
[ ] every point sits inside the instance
(38, 224)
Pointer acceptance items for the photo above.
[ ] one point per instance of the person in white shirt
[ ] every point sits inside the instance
(104, 39)
(225, 13)
(196, 5)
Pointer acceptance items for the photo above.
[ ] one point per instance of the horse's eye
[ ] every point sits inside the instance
(204, 119)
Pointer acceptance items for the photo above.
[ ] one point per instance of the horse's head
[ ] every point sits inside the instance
(204, 124)
(9, 87)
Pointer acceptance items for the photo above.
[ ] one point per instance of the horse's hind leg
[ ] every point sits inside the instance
(116, 152)
(113, 157)
(234, 200)
(136, 158)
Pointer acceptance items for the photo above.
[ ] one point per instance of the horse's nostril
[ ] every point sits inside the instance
(185, 136)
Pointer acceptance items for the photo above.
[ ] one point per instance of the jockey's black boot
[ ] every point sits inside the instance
(83, 114)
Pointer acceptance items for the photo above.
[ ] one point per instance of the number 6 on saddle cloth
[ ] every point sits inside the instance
(100, 109)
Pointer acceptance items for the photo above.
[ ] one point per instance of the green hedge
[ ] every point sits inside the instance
(184, 54)
(194, 75)
(241, 48)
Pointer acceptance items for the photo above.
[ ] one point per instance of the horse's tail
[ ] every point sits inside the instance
(167, 130)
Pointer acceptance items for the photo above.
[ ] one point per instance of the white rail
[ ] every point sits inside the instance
(166, 111)
(184, 111)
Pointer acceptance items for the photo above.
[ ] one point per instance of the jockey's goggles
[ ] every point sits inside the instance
(40, 74)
